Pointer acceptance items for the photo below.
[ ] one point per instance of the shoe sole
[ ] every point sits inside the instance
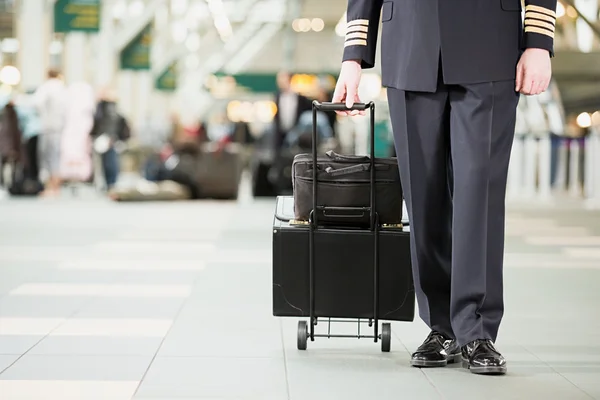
(484, 370)
(435, 364)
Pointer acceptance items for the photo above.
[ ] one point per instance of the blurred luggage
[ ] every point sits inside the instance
(344, 278)
(151, 191)
(212, 172)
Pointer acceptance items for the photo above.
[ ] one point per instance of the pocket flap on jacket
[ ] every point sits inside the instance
(387, 11)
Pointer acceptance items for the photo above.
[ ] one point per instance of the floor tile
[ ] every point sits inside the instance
(115, 327)
(351, 376)
(6, 361)
(78, 368)
(18, 344)
(67, 390)
(133, 265)
(40, 306)
(28, 326)
(97, 290)
(97, 346)
(222, 378)
(132, 307)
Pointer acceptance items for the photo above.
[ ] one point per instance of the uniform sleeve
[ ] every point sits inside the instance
(540, 23)
(362, 18)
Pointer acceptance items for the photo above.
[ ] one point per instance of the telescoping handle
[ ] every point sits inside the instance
(341, 106)
(326, 106)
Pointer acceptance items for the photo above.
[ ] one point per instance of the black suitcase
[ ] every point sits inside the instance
(341, 271)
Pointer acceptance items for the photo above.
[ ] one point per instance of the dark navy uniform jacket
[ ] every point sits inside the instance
(477, 40)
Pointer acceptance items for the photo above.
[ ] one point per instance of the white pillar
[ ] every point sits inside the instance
(544, 168)
(33, 32)
(143, 92)
(105, 65)
(515, 169)
(125, 88)
(76, 57)
(530, 171)
(574, 186)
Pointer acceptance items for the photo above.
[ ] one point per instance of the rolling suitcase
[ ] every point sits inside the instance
(340, 272)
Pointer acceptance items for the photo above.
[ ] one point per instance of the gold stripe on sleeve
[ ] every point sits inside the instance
(542, 10)
(355, 42)
(541, 31)
(357, 28)
(541, 24)
(536, 15)
(356, 35)
(358, 22)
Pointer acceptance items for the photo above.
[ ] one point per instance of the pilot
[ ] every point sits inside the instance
(454, 71)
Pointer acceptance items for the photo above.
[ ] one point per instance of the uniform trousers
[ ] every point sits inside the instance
(453, 148)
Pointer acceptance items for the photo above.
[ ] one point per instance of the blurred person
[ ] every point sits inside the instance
(453, 104)
(323, 95)
(30, 123)
(50, 99)
(290, 105)
(109, 129)
(76, 157)
(10, 139)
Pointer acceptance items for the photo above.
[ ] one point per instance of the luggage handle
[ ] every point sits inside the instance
(347, 170)
(326, 106)
(340, 157)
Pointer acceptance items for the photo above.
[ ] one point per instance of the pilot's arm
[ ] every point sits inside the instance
(540, 22)
(362, 18)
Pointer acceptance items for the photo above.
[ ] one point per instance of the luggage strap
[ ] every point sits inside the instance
(348, 170)
(332, 154)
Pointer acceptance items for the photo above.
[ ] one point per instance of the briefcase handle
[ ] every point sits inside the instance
(340, 157)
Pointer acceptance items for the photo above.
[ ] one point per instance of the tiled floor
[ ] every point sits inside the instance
(173, 301)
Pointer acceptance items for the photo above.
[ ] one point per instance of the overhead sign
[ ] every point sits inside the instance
(76, 16)
(167, 81)
(136, 55)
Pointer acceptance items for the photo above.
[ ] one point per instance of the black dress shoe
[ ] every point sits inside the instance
(481, 357)
(436, 351)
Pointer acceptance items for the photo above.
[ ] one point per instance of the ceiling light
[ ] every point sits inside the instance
(119, 10)
(560, 10)
(584, 120)
(305, 25)
(296, 25)
(10, 45)
(596, 118)
(10, 75)
(317, 24)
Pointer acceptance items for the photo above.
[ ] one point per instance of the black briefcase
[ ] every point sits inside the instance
(344, 183)
(344, 275)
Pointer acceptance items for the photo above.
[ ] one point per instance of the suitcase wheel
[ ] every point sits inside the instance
(302, 335)
(386, 337)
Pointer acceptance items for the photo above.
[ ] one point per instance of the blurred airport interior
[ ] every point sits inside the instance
(198, 70)
(161, 101)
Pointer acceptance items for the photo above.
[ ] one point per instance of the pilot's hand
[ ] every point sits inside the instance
(346, 90)
(534, 72)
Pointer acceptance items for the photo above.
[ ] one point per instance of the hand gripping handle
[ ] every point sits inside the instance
(326, 106)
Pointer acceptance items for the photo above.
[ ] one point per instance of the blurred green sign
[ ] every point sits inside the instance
(167, 81)
(76, 16)
(136, 55)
